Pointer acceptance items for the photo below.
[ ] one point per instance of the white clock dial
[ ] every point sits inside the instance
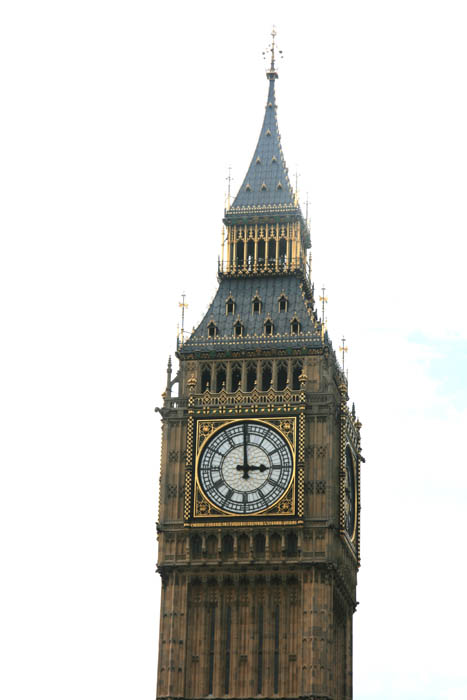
(245, 468)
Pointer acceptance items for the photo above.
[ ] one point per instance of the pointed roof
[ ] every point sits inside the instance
(266, 183)
(269, 290)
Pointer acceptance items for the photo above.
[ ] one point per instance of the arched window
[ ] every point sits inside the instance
(211, 546)
(229, 306)
(259, 544)
(220, 376)
(281, 376)
(238, 329)
(266, 376)
(268, 327)
(256, 304)
(296, 372)
(250, 254)
(205, 377)
(240, 253)
(291, 544)
(212, 330)
(295, 326)
(250, 376)
(243, 546)
(283, 303)
(271, 253)
(282, 251)
(227, 546)
(261, 252)
(195, 546)
(236, 377)
(275, 545)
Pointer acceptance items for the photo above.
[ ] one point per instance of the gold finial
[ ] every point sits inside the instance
(183, 307)
(343, 350)
(223, 237)
(192, 383)
(297, 175)
(324, 301)
(229, 179)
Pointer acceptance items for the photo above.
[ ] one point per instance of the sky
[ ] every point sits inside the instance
(119, 123)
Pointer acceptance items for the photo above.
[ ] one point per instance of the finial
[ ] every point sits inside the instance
(297, 175)
(168, 391)
(343, 350)
(183, 306)
(229, 179)
(324, 301)
(272, 73)
(302, 379)
(273, 45)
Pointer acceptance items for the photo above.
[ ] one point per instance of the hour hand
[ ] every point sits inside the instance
(246, 468)
(243, 468)
(260, 468)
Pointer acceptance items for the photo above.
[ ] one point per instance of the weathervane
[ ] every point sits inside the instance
(272, 48)
(343, 350)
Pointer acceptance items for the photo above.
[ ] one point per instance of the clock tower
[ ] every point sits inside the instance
(260, 469)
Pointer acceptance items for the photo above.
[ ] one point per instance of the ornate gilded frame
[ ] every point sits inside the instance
(200, 428)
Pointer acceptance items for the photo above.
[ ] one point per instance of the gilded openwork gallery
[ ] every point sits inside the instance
(259, 514)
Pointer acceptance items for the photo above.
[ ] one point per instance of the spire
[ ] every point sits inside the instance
(272, 73)
(266, 184)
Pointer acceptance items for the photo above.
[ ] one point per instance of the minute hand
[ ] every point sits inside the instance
(245, 452)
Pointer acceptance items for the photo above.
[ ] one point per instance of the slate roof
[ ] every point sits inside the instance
(242, 292)
(266, 183)
(266, 189)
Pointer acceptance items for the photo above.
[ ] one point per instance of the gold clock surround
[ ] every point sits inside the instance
(201, 508)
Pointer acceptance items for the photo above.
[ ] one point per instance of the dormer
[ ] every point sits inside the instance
(283, 303)
(212, 330)
(229, 306)
(256, 304)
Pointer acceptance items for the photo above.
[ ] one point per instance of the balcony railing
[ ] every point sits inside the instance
(261, 266)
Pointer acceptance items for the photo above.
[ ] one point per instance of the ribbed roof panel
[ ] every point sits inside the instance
(266, 183)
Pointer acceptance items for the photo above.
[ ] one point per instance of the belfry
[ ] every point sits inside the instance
(259, 510)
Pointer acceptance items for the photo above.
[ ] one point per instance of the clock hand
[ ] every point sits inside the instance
(245, 452)
(260, 467)
(246, 468)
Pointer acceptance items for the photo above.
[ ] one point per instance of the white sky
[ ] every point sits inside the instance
(118, 123)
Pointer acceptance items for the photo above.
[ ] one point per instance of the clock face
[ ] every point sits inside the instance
(245, 468)
(349, 492)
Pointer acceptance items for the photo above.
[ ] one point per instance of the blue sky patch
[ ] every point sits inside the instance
(447, 366)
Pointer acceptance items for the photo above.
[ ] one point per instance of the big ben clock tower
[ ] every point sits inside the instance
(260, 500)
